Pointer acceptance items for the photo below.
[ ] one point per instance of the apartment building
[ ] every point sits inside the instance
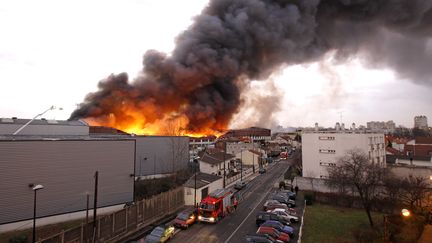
(323, 149)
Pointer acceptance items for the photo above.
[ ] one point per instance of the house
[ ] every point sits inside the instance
(253, 158)
(214, 161)
(203, 184)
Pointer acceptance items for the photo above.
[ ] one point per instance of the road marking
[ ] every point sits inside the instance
(244, 220)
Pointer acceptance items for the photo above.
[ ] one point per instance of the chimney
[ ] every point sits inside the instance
(343, 127)
(316, 127)
(337, 127)
(353, 126)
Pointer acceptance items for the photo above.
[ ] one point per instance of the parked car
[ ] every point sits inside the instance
(262, 217)
(262, 170)
(240, 185)
(279, 226)
(272, 204)
(284, 214)
(291, 195)
(274, 233)
(283, 199)
(291, 213)
(185, 218)
(261, 238)
(160, 234)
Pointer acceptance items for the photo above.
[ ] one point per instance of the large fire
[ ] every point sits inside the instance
(136, 123)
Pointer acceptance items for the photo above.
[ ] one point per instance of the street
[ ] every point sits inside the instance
(234, 227)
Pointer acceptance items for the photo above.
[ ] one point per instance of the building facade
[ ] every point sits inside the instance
(159, 156)
(66, 169)
(205, 184)
(323, 149)
(420, 122)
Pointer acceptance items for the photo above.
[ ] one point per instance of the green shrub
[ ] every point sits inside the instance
(310, 198)
(18, 239)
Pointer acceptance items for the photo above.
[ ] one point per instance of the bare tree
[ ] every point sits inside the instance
(179, 149)
(415, 191)
(355, 174)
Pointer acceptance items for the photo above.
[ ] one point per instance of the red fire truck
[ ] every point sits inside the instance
(216, 205)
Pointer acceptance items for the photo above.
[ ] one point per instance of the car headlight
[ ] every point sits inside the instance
(199, 217)
(192, 217)
(212, 219)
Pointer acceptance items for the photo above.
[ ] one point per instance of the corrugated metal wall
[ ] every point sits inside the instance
(154, 154)
(66, 170)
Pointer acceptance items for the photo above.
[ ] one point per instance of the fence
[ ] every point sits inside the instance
(236, 177)
(121, 223)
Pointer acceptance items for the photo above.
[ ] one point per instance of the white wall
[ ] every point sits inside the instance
(189, 192)
(248, 158)
(208, 168)
(320, 149)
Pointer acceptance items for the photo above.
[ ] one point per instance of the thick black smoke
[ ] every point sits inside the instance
(233, 41)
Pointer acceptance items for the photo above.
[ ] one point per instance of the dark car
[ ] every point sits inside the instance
(261, 217)
(283, 199)
(279, 226)
(291, 195)
(261, 238)
(185, 218)
(262, 170)
(160, 234)
(240, 185)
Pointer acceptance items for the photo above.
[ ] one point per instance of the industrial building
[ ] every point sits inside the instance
(63, 157)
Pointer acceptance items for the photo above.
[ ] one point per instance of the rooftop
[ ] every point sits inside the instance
(202, 180)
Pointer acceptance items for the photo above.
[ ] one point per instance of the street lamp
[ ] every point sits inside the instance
(405, 212)
(35, 189)
(195, 179)
(38, 115)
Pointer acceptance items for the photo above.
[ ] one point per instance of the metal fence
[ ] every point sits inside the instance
(126, 221)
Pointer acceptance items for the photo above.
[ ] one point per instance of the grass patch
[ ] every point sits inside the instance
(324, 223)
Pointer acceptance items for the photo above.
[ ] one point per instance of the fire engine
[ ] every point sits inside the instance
(216, 205)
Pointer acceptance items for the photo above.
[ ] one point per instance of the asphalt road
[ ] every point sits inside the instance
(235, 226)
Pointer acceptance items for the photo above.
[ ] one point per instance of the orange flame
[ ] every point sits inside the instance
(170, 125)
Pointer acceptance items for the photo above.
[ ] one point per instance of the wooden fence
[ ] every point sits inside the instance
(110, 227)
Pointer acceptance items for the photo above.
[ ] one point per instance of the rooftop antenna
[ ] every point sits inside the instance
(340, 116)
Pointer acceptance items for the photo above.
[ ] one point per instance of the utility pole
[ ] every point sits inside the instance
(224, 175)
(253, 155)
(241, 164)
(95, 207)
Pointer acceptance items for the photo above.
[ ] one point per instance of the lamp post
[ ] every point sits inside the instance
(38, 115)
(35, 189)
(241, 165)
(195, 180)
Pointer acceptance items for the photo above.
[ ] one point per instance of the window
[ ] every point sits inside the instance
(326, 138)
(327, 151)
(327, 164)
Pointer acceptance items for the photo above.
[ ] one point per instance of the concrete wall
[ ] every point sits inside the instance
(208, 168)
(248, 158)
(161, 155)
(66, 169)
(406, 171)
(320, 150)
(189, 192)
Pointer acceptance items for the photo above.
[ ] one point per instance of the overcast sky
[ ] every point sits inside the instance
(54, 52)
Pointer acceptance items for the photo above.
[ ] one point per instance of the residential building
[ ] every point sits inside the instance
(214, 161)
(253, 158)
(205, 184)
(380, 126)
(323, 149)
(420, 122)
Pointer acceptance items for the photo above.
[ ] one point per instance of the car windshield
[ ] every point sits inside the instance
(275, 223)
(183, 216)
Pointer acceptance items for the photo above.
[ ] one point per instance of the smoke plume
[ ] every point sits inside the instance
(233, 41)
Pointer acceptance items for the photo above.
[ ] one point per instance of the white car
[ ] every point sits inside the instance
(282, 213)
